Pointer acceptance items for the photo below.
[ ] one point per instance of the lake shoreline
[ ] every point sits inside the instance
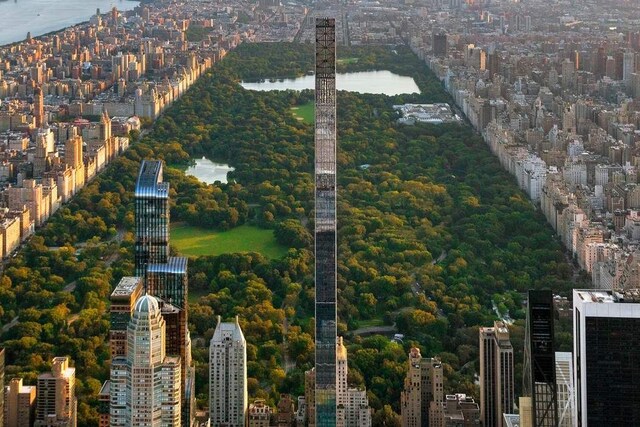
(382, 82)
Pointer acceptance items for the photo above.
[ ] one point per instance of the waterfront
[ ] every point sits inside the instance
(209, 172)
(377, 82)
(17, 17)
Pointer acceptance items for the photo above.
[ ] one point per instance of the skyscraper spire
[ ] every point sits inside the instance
(325, 222)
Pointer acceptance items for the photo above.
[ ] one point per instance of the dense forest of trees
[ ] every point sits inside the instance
(432, 234)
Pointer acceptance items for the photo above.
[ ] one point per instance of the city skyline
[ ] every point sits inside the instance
(434, 244)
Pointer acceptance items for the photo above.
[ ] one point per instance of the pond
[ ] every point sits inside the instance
(209, 172)
(377, 82)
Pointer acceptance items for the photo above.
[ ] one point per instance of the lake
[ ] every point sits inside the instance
(207, 171)
(378, 82)
(17, 17)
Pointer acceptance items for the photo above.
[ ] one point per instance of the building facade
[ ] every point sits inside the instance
(228, 394)
(423, 386)
(259, 414)
(496, 375)
(145, 384)
(565, 389)
(352, 403)
(325, 223)
(56, 403)
(152, 217)
(123, 299)
(20, 404)
(605, 360)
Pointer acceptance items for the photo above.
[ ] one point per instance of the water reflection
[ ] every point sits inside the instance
(207, 171)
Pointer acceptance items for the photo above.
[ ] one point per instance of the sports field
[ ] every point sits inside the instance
(304, 112)
(195, 241)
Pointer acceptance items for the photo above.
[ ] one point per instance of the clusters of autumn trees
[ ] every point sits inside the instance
(432, 234)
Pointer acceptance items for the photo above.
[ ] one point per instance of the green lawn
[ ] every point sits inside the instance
(347, 60)
(376, 321)
(305, 112)
(195, 241)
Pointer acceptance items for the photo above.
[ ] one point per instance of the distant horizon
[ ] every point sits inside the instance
(40, 17)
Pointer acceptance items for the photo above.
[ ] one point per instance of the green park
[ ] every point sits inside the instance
(194, 241)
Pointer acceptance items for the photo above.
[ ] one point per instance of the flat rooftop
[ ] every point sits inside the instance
(608, 297)
(126, 286)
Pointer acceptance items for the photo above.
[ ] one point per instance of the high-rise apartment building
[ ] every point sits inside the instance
(38, 107)
(228, 395)
(123, 299)
(164, 277)
(423, 387)
(73, 151)
(325, 223)
(20, 404)
(145, 384)
(352, 403)
(168, 282)
(606, 362)
(56, 403)
(439, 44)
(152, 217)
(496, 375)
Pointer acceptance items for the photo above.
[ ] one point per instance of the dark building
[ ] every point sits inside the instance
(606, 357)
(440, 44)
(168, 281)
(152, 217)
(540, 366)
(123, 299)
(325, 223)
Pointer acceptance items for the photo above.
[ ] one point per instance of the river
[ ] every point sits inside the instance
(17, 17)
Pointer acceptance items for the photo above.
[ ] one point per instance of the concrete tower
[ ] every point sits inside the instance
(325, 222)
(56, 395)
(20, 403)
(228, 395)
(38, 107)
(105, 126)
(423, 388)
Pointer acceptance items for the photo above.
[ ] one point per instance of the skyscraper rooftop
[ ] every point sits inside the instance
(149, 182)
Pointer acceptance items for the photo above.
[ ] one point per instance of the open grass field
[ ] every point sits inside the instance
(196, 241)
(376, 321)
(304, 112)
(343, 61)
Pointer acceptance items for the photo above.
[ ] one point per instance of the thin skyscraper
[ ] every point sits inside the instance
(325, 222)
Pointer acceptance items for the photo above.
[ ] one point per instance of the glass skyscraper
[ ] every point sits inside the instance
(325, 222)
(152, 216)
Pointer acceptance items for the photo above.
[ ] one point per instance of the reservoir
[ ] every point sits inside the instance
(209, 172)
(17, 17)
(377, 82)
